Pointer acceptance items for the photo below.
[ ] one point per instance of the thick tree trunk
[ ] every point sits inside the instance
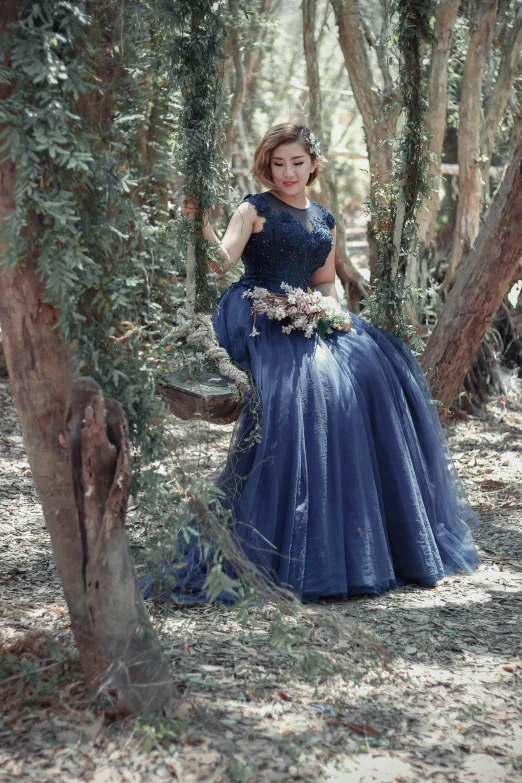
(349, 276)
(379, 122)
(445, 19)
(478, 290)
(31, 344)
(471, 165)
(95, 570)
(113, 633)
(127, 650)
(41, 383)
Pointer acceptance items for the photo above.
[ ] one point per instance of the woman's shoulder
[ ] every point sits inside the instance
(325, 214)
(257, 200)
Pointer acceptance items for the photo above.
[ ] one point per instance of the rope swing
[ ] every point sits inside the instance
(194, 62)
(197, 329)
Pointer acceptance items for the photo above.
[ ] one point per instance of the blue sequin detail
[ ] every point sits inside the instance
(285, 250)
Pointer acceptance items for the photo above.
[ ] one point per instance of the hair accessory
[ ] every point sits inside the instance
(315, 146)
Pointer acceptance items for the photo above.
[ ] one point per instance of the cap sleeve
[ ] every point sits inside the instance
(328, 217)
(258, 201)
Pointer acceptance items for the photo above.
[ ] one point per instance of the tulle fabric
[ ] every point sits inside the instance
(351, 489)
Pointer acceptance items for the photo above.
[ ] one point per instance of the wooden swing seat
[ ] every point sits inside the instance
(204, 394)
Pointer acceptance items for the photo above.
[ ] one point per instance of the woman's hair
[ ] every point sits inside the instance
(286, 133)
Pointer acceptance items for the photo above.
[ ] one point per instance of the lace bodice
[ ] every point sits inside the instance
(291, 246)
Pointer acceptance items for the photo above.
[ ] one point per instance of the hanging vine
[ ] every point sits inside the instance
(74, 134)
(194, 59)
(394, 207)
(104, 250)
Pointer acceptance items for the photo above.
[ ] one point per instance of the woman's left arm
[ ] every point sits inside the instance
(323, 280)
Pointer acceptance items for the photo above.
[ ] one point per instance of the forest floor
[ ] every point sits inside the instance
(445, 706)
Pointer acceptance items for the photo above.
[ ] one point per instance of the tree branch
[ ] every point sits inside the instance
(499, 95)
(479, 289)
(348, 274)
(469, 153)
(380, 51)
(309, 8)
(445, 19)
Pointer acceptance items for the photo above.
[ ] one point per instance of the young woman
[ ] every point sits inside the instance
(350, 488)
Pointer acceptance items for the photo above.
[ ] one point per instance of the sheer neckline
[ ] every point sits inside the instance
(301, 209)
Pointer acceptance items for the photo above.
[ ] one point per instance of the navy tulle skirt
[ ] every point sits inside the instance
(351, 488)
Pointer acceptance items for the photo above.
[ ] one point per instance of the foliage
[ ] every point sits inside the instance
(78, 124)
(81, 123)
(158, 731)
(194, 58)
(393, 208)
(88, 123)
(34, 667)
(239, 772)
(72, 132)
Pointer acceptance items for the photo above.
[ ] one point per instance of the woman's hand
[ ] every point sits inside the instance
(189, 205)
(348, 325)
(332, 304)
(236, 235)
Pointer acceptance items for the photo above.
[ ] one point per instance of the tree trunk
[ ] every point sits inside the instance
(128, 653)
(97, 575)
(445, 19)
(471, 167)
(113, 633)
(379, 121)
(370, 101)
(268, 9)
(40, 383)
(499, 95)
(349, 276)
(478, 290)
(313, 79)
(3, 366)
(239, 81)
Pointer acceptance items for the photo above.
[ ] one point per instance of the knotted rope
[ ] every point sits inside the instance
(197, 329)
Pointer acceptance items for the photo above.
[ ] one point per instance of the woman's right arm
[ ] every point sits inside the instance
(236, 236)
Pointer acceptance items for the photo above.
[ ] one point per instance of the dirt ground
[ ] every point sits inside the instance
(447, 705)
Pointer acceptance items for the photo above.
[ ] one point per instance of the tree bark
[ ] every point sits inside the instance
(478, 290)
(445, 19)
(379, 120)
(239, 81)
(349, 276)
(313, 79)
(470, 202)
(128, 653)
(499, 94)
(31, 344)
(113, 633)
(268, 9)
(42, 383)
(371, 102)
(3, 366)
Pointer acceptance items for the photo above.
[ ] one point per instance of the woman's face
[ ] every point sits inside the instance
(291, 166)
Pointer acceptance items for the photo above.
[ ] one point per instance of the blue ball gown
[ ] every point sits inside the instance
(351, 488)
